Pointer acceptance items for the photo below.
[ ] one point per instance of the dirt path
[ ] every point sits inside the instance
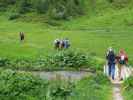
(117, 91)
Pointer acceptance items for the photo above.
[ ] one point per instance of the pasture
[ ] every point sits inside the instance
(40, 37)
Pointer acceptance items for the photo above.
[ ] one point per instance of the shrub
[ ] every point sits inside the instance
(21, 63)
(61, 60)
(23, 6)
(92, 88)
(61, 89)
(25, 86)
(4, 62)
(68, 59)
(42, 6)
(14, 16)
(22, 86)
(96, 63)
(128, 84)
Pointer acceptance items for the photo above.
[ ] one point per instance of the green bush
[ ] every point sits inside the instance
(60, 60)
(68, 59)
(4, 62)
(56, 9)
(128, 84)
(95, 87)
(96, 63)
(23, 6)
(41, 6)
(14, 16)
(25, 86)
(22, 86)
(128, 88)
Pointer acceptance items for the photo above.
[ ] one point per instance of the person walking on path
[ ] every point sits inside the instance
(22, 36)
(122, 60)
(66, 43)
(56, 43)
(111, 61)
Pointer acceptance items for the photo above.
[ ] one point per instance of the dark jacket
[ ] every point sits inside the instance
(111, 57)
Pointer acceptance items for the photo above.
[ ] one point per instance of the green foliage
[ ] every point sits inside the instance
(60, 60)
(7, 2)
(22, 86)
(128, 84)
(4, 62)
(23, 6)
(14, 16)
(128, 88)
(25, 86)
(121, 3)
(61, 89)
(93, 88)
(41, 6)
(57, 9)
(96, 63)
(68, 59)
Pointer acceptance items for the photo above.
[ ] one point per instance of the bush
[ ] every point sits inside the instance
(60, 60)
(96, 63)
(23, 6)
(128, 84)
(4, 62)
(96, 87)
(14, 16)
(56, 9)
(41, 6)
(61, 90)
(25, 86)
(68, 59)
(21, 63)
(22, 86)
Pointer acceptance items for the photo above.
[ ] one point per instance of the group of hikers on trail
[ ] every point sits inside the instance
(58, 43)
(61, 44)
(112, 60)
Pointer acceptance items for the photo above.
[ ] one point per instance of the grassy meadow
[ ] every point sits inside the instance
(91, 26)
(83, 37)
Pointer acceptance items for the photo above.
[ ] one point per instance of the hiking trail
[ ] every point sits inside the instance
(117, 90)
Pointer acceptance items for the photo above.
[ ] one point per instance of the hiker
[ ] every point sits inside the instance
(122, 59)
(111, 61)
(57, 44)
(62, 44)
(66, 43)
(22, 36)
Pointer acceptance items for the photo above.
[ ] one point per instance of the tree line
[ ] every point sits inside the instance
(58, 9)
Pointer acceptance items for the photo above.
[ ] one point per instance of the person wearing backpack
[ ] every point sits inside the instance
(122, 60)
(66, 43)
(111, 61)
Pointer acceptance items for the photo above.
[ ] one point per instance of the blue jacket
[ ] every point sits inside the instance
(111, 57)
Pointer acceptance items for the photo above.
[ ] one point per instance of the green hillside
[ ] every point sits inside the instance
(99, 24)
(91, 26)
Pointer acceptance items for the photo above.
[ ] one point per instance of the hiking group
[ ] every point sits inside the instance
(58, 43)
(61, 44)
(116, 62)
